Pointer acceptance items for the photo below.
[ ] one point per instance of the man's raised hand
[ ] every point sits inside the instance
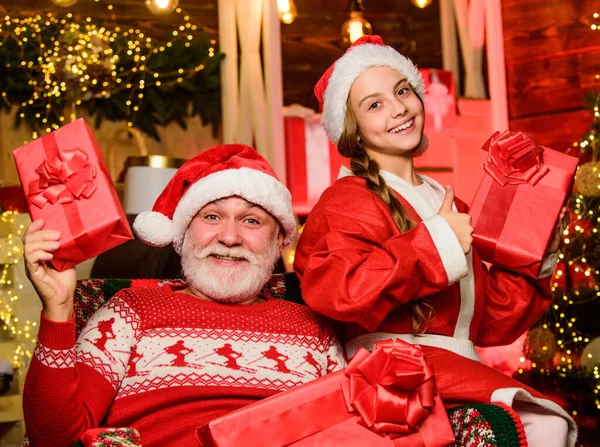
(55, 289)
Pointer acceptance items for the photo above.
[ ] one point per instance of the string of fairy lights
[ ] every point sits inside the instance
(82, 59)
(22, 331)
(573, 338)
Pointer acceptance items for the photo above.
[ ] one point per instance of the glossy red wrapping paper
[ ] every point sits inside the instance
(66, 183)
(516, 208)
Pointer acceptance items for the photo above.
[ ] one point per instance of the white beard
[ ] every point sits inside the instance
(229, 285)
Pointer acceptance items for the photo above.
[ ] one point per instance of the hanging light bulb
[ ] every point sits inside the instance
(162, 7)
(287, 11)
(421, 3)
(64, 3)
(356, 26)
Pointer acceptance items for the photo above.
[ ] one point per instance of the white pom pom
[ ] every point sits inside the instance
(154, 228)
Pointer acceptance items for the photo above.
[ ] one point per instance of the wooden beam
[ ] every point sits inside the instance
(449, 41)
(229, 70)
(274, 87)
(474, 86)
(496, 68)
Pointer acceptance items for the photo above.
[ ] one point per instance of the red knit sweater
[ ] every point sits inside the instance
(166, 363)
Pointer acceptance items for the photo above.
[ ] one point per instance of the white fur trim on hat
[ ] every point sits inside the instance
(349, 67)
(255, 186)
(153, 228)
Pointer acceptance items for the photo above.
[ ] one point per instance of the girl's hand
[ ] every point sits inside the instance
(459, 222)
(55, 289)
(563, 223)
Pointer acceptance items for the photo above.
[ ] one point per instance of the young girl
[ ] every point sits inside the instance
(389, 253)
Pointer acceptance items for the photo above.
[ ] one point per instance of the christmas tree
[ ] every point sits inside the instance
(564, 346)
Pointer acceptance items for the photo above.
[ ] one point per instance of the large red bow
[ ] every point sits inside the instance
(514, 158)
(392, 388)
(64, 178)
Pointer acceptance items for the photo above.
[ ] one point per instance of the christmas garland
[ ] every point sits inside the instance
(55, 67)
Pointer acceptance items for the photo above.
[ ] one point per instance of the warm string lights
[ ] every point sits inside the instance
(421, 3)
(595, 19)
(57, 66)
(12, 227)
(162, 7)
(576, 283)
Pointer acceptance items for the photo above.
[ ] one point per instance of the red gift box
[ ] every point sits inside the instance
(516, 208)
(384, 398)
(312, 161)
(66, 183)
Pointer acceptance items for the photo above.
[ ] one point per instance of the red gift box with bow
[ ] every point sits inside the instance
(516, 208)
(66, 183)
(384, 398)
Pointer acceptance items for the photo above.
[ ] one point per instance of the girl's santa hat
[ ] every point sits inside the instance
(333, 88)
(223, 171)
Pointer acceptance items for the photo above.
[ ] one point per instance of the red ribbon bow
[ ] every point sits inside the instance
(392, 388)
(514, 158)
(64, 178)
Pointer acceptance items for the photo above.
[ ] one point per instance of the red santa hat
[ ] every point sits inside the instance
(223, 171)
(333, 88)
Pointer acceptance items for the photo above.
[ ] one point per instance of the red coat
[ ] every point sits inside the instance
(355, 266)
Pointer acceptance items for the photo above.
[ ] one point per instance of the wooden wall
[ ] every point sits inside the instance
(552, 57)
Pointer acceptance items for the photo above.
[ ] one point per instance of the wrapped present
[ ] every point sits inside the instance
(516, 208)
(66, 183)
(312, 161)
(384, 398)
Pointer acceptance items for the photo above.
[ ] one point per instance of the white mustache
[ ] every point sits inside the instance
(228, 252)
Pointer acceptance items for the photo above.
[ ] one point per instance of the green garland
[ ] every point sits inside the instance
(54, 67)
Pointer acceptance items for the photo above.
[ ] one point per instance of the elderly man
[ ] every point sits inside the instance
(166, 361)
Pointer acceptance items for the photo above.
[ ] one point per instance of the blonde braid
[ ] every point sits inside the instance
(365, 167)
